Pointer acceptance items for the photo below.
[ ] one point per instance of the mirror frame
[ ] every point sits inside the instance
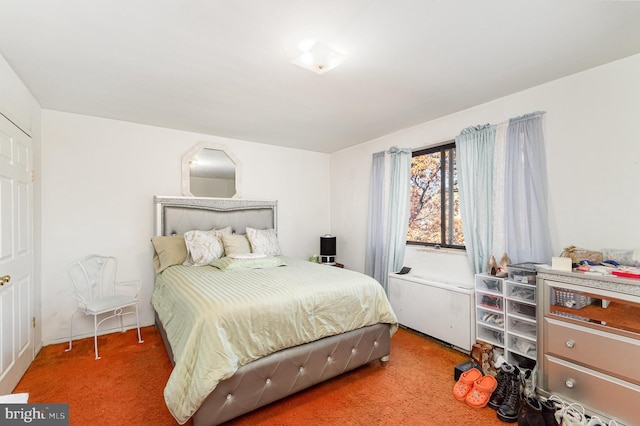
(191, 154)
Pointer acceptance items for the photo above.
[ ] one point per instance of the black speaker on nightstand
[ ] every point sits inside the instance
(328, 249)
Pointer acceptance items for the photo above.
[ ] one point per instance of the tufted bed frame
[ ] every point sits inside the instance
(282, 373)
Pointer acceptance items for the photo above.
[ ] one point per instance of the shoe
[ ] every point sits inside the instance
(482, 354)
(560, 407)
(504, 378)
(523, 293)
(476, 353)
(499, 362)
(510, 408)
(492, 285)
(465, 383)
(531, 414)
(492, 266)
(549, 413)
(481, 392)
(574, 416)
(595, 421)
(525, 346)
(528, 379)
(494, 302)
(487, 361)
(504, 262)
(523, 362)
(492, 319)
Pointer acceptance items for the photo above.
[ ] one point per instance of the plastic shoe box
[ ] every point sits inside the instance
(489, 284)
(523, 309)
(524, 273)
(524, 346)
(523, 292)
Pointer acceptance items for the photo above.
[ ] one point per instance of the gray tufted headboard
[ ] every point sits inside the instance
(177, 215)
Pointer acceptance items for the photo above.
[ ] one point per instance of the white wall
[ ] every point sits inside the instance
(593, 161)
(16, 102)
(19, 106)
(99, 178)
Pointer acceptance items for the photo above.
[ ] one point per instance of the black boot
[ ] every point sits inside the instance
(510, 408)
(531, 415)
(549, 413)
(504, 378)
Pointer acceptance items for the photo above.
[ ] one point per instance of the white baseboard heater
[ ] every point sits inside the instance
(440, 310)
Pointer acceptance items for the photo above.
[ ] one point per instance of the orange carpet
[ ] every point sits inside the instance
(125, 387)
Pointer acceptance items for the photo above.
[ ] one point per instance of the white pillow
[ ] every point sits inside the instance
(264, 241)
(204, 246)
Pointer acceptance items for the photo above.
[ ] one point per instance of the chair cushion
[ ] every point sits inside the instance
(107, 304)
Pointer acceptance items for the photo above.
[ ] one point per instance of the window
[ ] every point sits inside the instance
(434, 216)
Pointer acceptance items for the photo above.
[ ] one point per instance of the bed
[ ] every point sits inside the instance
(245, 330)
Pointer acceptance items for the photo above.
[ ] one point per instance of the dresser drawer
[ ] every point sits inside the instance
(613, 354)
(607, 395)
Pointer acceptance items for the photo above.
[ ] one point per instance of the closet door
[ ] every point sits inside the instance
(16, 254)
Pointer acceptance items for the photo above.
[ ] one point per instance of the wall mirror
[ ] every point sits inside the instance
(210, 170)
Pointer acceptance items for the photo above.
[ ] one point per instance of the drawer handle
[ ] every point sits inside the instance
(570, 383)
(570, 343)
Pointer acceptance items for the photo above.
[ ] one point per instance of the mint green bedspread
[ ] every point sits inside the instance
(217, 321)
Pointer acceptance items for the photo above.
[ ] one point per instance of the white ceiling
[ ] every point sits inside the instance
(223, 67)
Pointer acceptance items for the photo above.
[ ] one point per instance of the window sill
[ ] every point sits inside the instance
(442, 250)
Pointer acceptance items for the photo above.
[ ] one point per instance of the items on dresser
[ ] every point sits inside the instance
(589, 336)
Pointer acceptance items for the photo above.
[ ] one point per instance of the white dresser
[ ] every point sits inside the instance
(589, 332)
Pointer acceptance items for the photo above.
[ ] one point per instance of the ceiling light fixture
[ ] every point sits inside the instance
(318, 57)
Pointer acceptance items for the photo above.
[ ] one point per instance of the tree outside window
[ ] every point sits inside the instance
(434, 216)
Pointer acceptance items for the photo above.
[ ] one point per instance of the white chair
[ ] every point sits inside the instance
(96, 291)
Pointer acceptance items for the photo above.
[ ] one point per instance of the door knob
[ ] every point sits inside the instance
(5, 279)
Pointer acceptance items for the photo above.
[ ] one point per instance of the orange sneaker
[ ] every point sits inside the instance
(481, 392)
(465, 383)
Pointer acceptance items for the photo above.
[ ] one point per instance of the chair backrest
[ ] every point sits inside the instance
(93, 277)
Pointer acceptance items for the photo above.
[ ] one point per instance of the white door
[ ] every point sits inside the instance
(16, 254)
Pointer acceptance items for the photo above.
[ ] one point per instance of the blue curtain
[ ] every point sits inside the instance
(474, 158)
(397, 211)
(515, 217)
(385, 252)
(374, 255)
(525, 196)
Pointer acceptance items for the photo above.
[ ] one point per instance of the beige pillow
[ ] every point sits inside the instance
(236, 244)
(168, 251)
(264, 241)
